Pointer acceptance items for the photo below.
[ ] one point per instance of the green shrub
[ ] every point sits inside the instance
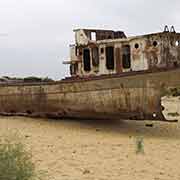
(175, 92)
(32, 79)
(47, 79)
(139, 145)
(37, 79)
(15, 161)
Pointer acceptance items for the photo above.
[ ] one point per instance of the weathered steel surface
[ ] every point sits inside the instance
(112, 77)
(120, 97)
(149, 51)
(84, 36)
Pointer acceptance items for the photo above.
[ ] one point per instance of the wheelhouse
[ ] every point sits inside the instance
(103, 52)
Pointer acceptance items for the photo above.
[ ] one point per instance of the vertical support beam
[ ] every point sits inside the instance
(118, 59)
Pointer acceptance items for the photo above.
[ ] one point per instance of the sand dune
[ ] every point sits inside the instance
(101, 150)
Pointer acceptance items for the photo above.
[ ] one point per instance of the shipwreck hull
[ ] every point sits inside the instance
(133, 95)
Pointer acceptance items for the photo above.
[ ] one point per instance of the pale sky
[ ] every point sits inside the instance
(35, 34)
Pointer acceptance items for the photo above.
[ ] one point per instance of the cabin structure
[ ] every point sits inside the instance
(105, 52)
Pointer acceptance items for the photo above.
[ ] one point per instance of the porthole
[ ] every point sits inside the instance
(136, 45)
(175, 64)
(154, 115)
(155, 43)
(102, 50)
(29, 112)
(177, 43)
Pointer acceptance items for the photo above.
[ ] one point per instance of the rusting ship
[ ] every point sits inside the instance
(112, 77)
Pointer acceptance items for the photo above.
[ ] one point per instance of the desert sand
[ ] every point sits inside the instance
(101, 150)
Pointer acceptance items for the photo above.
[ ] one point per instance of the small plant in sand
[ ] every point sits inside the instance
(139, 145)
(15, 161)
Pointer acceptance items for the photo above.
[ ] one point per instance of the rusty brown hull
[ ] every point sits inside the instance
(131, 96)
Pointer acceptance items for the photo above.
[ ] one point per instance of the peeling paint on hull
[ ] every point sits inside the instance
(136, 97)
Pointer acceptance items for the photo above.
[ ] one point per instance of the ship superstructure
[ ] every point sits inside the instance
(103, 52)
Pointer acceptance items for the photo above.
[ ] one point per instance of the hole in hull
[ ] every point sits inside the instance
(29, 112)
(12, 111)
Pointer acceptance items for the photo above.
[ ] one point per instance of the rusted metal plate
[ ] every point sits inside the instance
(130, 97)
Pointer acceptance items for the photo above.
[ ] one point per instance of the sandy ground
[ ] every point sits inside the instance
(101, 150)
